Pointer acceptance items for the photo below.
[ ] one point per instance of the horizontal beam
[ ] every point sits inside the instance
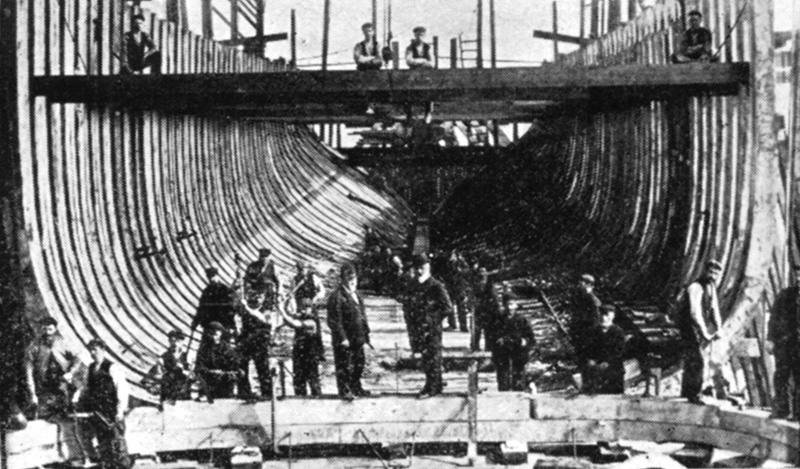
(354, 113)
(249, 41)
(551, 82)
(551, 36)
(540, 419)
(424, 156)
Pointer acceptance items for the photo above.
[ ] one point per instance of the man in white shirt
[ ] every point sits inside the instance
(700, 322)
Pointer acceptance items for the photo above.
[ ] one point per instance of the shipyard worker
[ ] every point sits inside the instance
(307, 285)
(366, 53)
(141, 51)
(605, 368)
(307, 349)
(783, 340)
(695, 42)
(347, 321)
(487, 309)
(512, 347)
(218, 366)
(105, 397)
(216, 305)
(261, 278)
(699, 321)
(584, 315)
(50, 368)
(462, 291)
(418, 53)
(254, 344)
(173, 370)
(428, 306)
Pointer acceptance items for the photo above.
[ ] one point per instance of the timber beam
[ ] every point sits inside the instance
(431, 156)
(551, 82)
(354, 113)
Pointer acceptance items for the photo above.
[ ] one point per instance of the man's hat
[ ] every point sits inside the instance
(419, 29)
(366, 25)
(695, 13)
(176, 334)
(419, 260)
(264, 252)
(212, 272)
(96, 343)
(713, 264)
(588, 278)
(48, 321)
(215, 326)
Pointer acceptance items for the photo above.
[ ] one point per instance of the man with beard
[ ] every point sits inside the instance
(428, 306)
(50, 368)
(347, 320)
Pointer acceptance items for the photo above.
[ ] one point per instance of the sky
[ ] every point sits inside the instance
(515, 20)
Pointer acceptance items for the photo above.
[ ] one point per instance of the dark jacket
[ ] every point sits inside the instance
(260, 277)
(783, 318)
(137, 50)
(347, 319)
(428, 305)
(487, 314)
(514, 328)
(216, 304)
(607, 347)
(584, 313)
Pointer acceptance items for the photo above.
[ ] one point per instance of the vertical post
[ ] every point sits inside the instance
(515, 131)
(492, 35)
(594, 18)
(396, 55)
(234, 19)
(326, 24)
(453, 53)
(375, 16)
(293, 38)
(614, 14)
(176, 13)
(555, 31)
(208, 24)
(435, 51)
(479, 59)
(631, 10)
(260, 12)
(582, 17)
(472, 395)
(793, 126)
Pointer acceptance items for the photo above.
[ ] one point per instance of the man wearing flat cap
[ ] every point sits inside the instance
(584, 317)
(216, 305)
(428, 305)
(105, 397)
(218, 365)
(699, 321)
(783, 340)
(173, 370)
(50, 368)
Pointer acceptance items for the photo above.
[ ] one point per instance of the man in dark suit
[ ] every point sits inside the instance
(512, 348)
(783, 340)
(606, 370)
(428, 305)
(347, 320)
(216, 305)
(584, 316)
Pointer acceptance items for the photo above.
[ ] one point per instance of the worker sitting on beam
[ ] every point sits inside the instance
(140, 50)
(695, 43)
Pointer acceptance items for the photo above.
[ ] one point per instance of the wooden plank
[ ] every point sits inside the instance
(559, 37)
(644, 82)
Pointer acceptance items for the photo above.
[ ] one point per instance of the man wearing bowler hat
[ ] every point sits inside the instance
(428, 306)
